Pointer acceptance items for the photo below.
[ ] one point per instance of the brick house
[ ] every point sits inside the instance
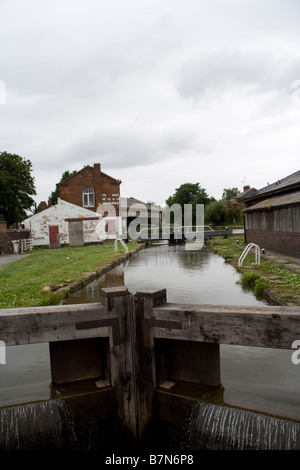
(90, 188)
(247, 193)
(272, 216)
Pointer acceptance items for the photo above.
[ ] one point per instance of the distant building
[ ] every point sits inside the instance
(90, 188)
(245, 195)
(63, 224)
(90, 196)
(148, 214)
(272, 216)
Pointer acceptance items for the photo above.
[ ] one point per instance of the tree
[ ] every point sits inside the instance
(189, 193)
(54, 195)
(224, 212)
(16, 187)
(214, 213)
(233, 210)
(230, 193)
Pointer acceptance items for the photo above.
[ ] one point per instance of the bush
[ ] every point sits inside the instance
(250, 279)
(261, 285)
(255, 281)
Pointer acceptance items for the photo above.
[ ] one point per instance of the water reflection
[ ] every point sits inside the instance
(189, 276)
(91, 292)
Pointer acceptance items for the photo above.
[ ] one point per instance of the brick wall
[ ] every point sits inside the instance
(106, 189)
(3, 226)
(6, 239)
(287, 243)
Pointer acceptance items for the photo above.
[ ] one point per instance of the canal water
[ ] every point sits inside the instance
(254, 378)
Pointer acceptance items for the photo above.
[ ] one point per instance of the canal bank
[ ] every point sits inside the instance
(276, 278)
(88, 277)
(45, 276)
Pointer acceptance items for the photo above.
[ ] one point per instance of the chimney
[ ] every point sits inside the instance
(97, 167)
(43, 206)
(246, 188)
(49, 203)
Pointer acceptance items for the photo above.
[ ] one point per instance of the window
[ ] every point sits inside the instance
(88, 197)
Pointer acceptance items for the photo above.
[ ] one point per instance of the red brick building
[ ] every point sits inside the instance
(90, 188)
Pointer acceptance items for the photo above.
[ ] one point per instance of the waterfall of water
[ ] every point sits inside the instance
(224, 428)
(57, 424)
(31, 426)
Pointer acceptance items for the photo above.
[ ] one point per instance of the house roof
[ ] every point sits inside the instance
(288, 184)
(245, 194)
(84, 169)
(276, 201)
(66, 210)
(284, 183)
(126, 203)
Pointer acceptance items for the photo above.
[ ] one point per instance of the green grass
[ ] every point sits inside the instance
(22, 282)
(268, 277)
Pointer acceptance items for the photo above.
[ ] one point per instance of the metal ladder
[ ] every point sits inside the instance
(246, 251)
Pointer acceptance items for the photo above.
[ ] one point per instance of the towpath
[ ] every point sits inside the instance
(5, 259)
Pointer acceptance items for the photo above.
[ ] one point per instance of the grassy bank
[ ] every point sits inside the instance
(268, 279)
(46, 276)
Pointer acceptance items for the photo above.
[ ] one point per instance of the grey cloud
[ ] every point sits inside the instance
(121, 147)
(226, 70)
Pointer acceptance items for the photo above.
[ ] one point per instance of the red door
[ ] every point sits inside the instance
(110, 227)
(54, 236)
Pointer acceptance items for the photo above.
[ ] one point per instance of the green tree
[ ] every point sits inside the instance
(189, 193)
(233, 211)
(54, 195)
(230, 193)
(224, 212)
(16, 187)
(214, 213)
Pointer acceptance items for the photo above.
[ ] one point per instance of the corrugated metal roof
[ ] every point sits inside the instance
(281, 184)
(276, 201)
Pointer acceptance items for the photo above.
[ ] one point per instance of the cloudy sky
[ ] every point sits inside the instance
(160, 92)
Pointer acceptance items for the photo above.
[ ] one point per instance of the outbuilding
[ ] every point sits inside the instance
(63, 224)
(272, 216)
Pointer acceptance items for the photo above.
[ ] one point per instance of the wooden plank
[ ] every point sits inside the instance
(266, 326)
(144, 352)
(118, 301)
(51, 323)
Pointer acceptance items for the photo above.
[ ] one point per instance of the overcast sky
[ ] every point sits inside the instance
(160, 92)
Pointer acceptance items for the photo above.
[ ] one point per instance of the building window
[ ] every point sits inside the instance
(88, 196)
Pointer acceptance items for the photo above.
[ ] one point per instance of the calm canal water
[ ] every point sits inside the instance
(255, 378)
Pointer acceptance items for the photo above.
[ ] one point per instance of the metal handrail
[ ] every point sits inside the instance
(122, 243)
(246, 251)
